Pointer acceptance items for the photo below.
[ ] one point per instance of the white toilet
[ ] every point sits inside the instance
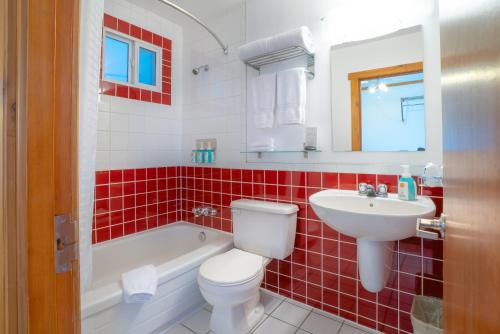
(231, 281)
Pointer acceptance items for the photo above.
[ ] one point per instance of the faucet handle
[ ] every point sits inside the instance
(382, 190)
(363, 188)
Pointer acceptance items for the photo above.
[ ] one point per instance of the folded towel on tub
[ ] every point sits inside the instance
(139, 285)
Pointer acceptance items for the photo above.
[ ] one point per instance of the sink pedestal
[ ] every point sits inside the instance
(375, 222)
(375, 263)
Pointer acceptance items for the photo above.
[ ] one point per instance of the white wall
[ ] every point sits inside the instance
(214, 105)
(135, 134)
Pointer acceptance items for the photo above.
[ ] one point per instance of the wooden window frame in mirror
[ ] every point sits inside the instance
(356, 77)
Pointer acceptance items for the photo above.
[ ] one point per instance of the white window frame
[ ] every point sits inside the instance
(112, 35)
(158, 51)
(133, 60)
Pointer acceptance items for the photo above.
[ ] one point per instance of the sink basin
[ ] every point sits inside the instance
(375, 222)
(372, 218)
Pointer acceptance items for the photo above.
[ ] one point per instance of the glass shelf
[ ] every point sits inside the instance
(304, 152)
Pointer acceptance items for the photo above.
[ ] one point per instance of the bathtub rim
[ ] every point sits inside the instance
(101, 298)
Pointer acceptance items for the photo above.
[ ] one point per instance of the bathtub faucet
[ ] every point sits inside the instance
(204, 211)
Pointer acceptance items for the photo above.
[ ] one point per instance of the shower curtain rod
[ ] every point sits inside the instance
(185, 12)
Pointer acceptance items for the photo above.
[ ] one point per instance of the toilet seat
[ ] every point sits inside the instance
(234, 267)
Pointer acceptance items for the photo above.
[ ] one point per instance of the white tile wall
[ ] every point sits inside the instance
(135, 134)
(214, 101)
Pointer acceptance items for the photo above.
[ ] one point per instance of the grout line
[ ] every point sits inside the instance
(264, 319)
(186, 327)
(283, 321)
(259, 325)
(307, 316)
(276, 307)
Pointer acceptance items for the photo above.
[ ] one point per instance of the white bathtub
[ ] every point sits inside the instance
(177, 252)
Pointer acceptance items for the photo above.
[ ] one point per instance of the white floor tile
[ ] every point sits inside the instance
(199, 322)
(346, 329)
(270, 302)
(274, 326)
(299, 304)
(290, 313)
(259, 323)
(318, 324)
(300, 331)
(178, 329)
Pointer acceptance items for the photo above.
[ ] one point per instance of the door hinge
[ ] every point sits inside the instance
(66, 245)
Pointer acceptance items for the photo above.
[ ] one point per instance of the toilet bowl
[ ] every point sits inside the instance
(230, 282)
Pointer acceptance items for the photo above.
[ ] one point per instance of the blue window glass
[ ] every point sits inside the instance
(147, 67)
(393, 113)
(116, 60)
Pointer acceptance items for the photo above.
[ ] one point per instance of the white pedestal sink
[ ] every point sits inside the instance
(376, 223)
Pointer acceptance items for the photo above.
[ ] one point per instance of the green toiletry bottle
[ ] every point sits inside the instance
(407, 188)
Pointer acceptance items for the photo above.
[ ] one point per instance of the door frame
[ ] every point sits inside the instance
(39, 150)
(14, 300)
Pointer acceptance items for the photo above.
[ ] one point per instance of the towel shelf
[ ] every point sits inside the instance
(282, 55)
(304, 152)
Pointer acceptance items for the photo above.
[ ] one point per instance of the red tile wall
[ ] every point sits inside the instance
(134, 93)
(322, 271)
(133, 200)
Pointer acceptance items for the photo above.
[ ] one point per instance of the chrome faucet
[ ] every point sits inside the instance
(365, 189)
(204, 211)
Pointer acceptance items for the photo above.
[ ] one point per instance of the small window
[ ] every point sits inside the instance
(147, 67)
(116, 60)
(123, 53)
(388, 109)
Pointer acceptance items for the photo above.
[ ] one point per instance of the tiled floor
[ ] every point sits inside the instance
(282, 316)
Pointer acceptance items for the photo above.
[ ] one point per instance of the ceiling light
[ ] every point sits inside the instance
(383, 87)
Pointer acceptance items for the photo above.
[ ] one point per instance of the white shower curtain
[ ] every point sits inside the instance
(91, 15)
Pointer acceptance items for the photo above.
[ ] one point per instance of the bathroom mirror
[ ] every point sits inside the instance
(378, 99)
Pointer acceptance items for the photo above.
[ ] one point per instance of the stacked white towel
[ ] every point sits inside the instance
(301, 36)
(291, 97)
(263, 95)
(262, 145)
(297, 37)
(139, 285)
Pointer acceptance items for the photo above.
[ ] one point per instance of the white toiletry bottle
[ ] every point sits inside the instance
(199, 155)
(407, 188)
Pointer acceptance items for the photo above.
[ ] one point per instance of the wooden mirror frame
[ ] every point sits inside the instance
(356, 77)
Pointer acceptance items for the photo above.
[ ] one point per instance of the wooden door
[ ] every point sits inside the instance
(470, 48)
(51, 82)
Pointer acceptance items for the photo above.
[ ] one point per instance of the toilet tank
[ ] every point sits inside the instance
(264, 228)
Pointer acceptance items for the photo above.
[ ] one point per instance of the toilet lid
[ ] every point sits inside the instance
(233, 267)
